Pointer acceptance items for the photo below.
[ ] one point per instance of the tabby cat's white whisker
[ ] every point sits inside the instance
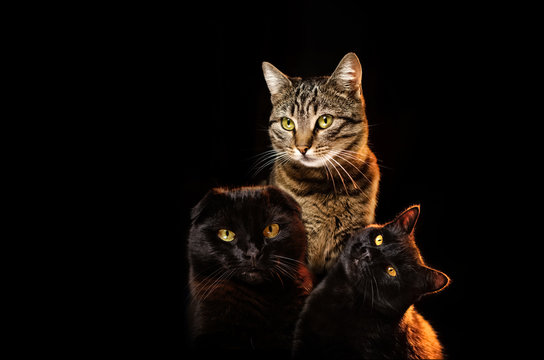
(267, 158)
(347, 173)
(329, 172)
(342, 155)
(356, 156)
(338, 172)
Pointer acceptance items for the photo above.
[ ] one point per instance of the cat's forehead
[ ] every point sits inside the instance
(306, 95)
(253, 202)
(373, 230)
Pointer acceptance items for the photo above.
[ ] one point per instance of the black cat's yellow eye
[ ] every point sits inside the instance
(324, 121)
(287, 123)
(391, 271)
(378, 240)
(226, 235)
(271, 230)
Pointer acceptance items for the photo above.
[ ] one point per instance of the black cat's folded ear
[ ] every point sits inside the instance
(348, 73)
(407, 220)
(434, 280)
(203, 204)
(275, 79)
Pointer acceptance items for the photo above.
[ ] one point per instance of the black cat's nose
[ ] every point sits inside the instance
(303, 149)
(365, 254)
(252, 254)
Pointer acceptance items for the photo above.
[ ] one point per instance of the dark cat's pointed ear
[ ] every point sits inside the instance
(275, 79)
(434, 280)
(407, 220)
(348, 73)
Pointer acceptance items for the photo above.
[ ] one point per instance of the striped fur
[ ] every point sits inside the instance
(336, 180)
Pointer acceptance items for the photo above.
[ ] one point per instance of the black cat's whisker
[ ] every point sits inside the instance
(224, 276)
(205, 287)
(278, 276)
(379, 298)
(285, 269)
(279, 270)
(289, 259)
(205, 280)
(368, 282)
(288, 262)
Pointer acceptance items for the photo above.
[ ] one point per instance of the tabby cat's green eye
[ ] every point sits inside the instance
(271, 230)
(324, 121)
(391, 271)
(287, 123)
(226, 235)
(378, 240)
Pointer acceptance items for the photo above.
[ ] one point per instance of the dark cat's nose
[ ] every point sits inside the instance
(252, 254)
(365, 254)
(303, 149)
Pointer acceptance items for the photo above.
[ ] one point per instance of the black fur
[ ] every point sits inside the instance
(246, 293)
(359, 311)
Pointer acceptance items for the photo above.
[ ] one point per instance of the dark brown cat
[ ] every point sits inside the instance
(364, 308)
(319, 131)
(247, 279)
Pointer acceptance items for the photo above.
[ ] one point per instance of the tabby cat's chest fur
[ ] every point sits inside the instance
(332, 207)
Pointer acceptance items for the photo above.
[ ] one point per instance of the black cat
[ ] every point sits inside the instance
(363, 309)
(247, 279)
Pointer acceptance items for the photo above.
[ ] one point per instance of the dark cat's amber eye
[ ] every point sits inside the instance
(324, 121)
(287, 123)
(226, 235)
(271, 230)
(391, 271)
(378, 240)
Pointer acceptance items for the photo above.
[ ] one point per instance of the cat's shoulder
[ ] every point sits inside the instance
(420, 335)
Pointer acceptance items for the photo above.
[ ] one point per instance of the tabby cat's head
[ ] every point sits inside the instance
(317, 118)
(385, 266)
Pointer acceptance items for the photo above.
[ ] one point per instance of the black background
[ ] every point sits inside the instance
(197, 106)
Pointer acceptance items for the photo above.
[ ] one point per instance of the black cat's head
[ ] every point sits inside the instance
(250, 234)
(385, 266)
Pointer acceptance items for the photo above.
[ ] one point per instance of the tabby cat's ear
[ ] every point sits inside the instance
(434, 280)
(407, 220)
(348, 73)
(275, 79)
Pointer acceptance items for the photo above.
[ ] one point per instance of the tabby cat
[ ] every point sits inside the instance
(319, 131)
(363, 309)
(247, 279)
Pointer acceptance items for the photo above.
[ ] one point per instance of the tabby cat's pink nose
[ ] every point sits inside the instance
(303, 149)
